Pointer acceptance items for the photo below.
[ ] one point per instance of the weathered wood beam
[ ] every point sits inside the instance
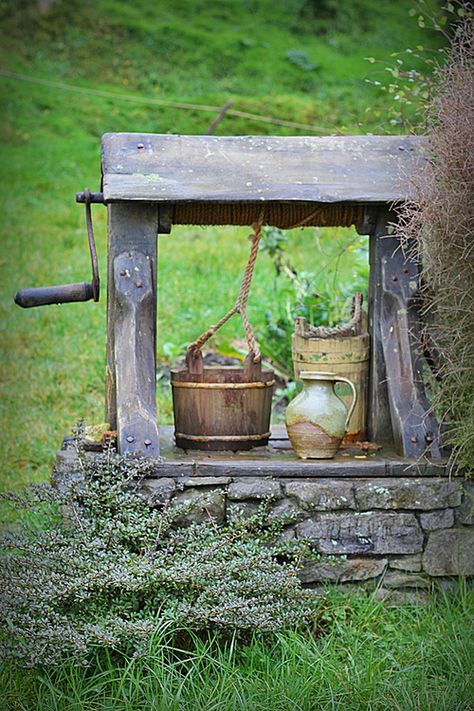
(131, 327)
(257, 169)
(415, 429)
(397, 391)
(134, 351)
(379, 424)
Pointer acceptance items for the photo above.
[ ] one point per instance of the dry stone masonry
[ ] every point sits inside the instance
(396, 532)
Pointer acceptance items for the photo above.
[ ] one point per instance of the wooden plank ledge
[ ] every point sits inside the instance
(172, 169)
(279, 460)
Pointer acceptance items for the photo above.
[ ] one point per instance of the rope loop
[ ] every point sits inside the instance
(351, 328)
(241, 301)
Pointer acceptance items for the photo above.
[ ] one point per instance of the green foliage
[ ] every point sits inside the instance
(439, 225)
(323, 297)
(106, 568)
(412, 72)
(300, 59)
(370, 656)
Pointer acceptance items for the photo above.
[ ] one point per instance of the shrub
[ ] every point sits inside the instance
(323, 298)
(439, 227)
(100, 567)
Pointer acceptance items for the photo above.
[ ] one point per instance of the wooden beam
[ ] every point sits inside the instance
(415, 429)
(167, 168)
(134, 351)
(399, 410)
(378, 417)
(131, 326)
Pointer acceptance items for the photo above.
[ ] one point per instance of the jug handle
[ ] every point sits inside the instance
(354, 398)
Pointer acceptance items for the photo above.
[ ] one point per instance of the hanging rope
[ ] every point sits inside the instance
(351, 328)
(241, 303)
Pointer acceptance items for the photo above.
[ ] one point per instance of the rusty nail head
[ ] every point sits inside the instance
(130, 439)
(147, 442)
(123, 272)
(139, 285)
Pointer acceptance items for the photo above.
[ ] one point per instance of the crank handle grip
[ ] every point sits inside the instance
(61, 294)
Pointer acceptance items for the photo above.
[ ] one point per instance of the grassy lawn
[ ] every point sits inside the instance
(366, 656)
(276, 59)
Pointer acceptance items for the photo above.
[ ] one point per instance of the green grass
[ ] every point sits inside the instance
(53, 358)
(369, 656)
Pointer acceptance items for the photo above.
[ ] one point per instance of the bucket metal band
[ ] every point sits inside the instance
(222, 438)
(221, 386)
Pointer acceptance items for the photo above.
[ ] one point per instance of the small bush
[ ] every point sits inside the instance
(322, 297)
(99, 567)
(439, 227)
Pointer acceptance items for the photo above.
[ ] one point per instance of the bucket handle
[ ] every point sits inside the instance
(240, 305)
(341, 379)
(195, 366)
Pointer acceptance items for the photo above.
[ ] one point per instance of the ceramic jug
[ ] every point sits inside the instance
(317, 419)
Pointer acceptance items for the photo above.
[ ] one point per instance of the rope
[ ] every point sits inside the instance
(278, 214)
(304, 329)
(241, 302)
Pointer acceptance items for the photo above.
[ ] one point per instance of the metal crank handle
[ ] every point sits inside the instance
(67, 293)
(60, 294)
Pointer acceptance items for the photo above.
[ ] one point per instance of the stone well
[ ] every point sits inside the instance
(373, 519)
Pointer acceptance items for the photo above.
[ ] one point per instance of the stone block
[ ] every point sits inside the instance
(254, 488)
(203, 506)
(400, 579)
(418, 494)
(288, 533)
(432, 520)
(242, 509)
(286, 510)
(465, 513)
(216, 481)
(322, 495)
(158, 490)
(342, 570)
(67, 472)
(450, 552)
(373, 532)
(411, 563)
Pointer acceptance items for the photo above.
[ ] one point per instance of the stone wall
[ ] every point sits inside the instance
(395, 532)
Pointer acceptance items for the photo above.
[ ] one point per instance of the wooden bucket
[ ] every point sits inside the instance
(221, 408)
(344, 355)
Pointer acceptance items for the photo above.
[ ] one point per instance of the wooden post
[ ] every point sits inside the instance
(397, 392)
(131, 326)
(379, 424)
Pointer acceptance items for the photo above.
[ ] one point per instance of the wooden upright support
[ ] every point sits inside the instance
(379, 423)
(398, 406)
(131, 327)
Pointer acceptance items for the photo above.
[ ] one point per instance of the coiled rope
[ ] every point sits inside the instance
(283, 215)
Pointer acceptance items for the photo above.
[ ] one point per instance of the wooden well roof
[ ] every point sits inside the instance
(249, 169)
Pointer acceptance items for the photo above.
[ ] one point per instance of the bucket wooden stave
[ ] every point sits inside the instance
(344, 355)
(222, 408)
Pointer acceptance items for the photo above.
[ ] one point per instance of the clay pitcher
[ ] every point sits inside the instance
(317, 419)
